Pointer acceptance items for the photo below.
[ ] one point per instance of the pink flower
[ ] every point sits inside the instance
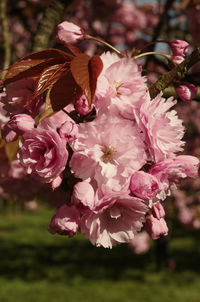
(116, 218)
(83, 195)
(158, 210)
(19, 98)
(186, 91)
(170, 170)
(156, 227)
(43, 153)
(69, 131)
(55, 121)
(108, 150)
(81, 105)
(17, 125)
(56, 182)
(130, 16)
(140, 243)
(21, 123)
(179, 47)
(117, 85)
(8, 134)
(69, 33)
(144, 185)
(65, 221)
(162, 129)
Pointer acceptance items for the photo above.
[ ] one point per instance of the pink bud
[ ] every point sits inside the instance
(68, 32)
(57, 182)
(179, 47)
(22, 123)
(69, 131)
(83, 195)
(65, 221)
(18, 125)
(158, 210)
(156, 227)
(186, 91)
(8, 134)
(144, 185)
(81, 105)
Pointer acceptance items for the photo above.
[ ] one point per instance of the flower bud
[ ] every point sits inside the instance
(186, 91)
(68, 32)
(144, 185)
(156, 227)
(65, 221)
(179, 47)
(57, 182)
(158, 210)
(81, 105)
(69, 131)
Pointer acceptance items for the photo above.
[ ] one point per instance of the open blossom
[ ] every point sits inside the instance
(121, 87)
(65, 221)
(162, 128)
(170, 170)
(68, 32)
(43, 153)
(116, 218)
(108, 150)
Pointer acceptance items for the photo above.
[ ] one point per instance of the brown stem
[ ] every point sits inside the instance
(177, 73)
(6, 39)
(51, 18)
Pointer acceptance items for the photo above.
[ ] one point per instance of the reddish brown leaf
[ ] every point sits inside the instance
(49, 53)
(32, 72)
(80, 71)
(21, 66)
(64, 92)
(76, 51)
(34, 64)
(95, 68)
(85, 71)
(49, 76)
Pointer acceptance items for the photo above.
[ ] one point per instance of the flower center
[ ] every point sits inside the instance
(108, 153)
(117, 85)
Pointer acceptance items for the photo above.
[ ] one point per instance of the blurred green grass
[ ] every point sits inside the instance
(37, 266)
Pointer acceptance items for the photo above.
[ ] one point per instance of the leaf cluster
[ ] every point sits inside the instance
(64, 77)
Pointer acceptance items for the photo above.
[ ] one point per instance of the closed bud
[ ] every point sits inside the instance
(186, 91)
(68, 32)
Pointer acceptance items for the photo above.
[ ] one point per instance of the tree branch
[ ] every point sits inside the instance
(177, 73)
(5, 34)
(52, 17)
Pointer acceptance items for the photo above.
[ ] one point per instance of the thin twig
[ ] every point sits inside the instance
(176, 74)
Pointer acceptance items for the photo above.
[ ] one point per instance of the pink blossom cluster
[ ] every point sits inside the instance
(118, 164)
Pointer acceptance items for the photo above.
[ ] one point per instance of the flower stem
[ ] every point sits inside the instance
(105, 43)
(152, 53)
